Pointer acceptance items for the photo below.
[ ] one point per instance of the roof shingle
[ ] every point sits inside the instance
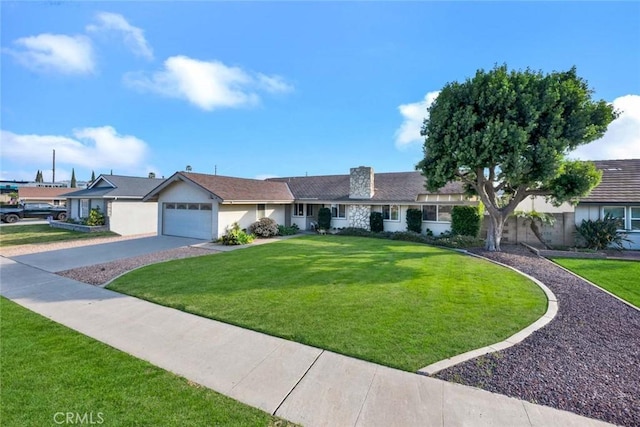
(620, 182)
(241, 189)
(388, 187)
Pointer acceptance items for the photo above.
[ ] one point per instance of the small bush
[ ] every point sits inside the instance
(235, 236)
(95, 218)
(324, 218)
(447, 239)
(264, 227)
(466, 220)
(376, 223)
(414, 220)
(600, 233)
(288, 231)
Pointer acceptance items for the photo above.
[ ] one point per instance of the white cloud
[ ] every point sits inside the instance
(207, 84)
(55, 52)
(274, 84)
(93, 148)
(133, 36)
(622, 139)
(408, 133)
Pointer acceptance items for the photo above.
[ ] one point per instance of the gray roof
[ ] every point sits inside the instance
(388, 187)
(127, 187)
(620, 182)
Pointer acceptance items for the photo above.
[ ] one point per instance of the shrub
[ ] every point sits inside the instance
(414, 220)
(95, 218)
(235, 236)
(376, 223)
(264, 227)
(288, 231)
(324, 218)
(466, 220)
(601, 233)
(447, 239)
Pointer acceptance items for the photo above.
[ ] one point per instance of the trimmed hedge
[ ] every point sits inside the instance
(324, 218)
(466, 220)
(448, 241)
(414, 220)
(376, 222)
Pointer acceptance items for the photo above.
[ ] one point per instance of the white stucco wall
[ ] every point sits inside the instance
(539, 204)
(183, 192)
(593, 212)
(245, 215)
(128, 217)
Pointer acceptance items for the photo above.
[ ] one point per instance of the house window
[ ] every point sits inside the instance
(309, 210)
(193, 207)
(262, 209)
(430, 213)
(169, 205)
(84, 208)
(181, 206)
(338, 211)
(439, 213)
(616, 212)
(298, 209)
(635, 218)
(205, 207)
(444, 213)
(391, 212)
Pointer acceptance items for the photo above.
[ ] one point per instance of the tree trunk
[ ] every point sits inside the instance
(494, 233)
(538, 234)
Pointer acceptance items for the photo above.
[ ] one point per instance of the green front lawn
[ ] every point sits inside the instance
(621, 278)
(42, 233)
(49, 370)
(396, 303)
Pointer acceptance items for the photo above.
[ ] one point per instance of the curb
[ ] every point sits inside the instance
(552, 310)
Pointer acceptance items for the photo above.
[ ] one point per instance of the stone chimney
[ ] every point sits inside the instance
(361, 183)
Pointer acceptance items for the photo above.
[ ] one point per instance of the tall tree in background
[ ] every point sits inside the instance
(39, 177)
(93, 176)
(506, 134)
(74, 184)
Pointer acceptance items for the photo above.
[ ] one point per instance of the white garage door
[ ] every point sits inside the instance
(187, 220)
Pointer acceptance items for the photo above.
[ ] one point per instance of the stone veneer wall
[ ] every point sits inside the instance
(359, 216)
(361, 183)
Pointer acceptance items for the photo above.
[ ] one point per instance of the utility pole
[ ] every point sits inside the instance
(54, 166)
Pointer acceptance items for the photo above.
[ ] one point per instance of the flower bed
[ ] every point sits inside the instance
(78, 227)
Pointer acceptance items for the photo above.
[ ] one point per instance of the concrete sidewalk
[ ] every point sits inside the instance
(300, 383)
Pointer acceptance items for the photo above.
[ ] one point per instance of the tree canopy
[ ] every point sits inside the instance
(506, 135)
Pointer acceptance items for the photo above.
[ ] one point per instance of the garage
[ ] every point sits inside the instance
(187, 220)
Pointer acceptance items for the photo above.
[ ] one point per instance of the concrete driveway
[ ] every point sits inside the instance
(66, 259)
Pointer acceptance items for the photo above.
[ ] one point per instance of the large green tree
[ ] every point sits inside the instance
(506, 135)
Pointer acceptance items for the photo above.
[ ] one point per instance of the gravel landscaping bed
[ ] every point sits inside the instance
(587, 360)
(100, 274)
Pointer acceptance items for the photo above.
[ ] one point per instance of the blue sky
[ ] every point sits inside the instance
(259, 89)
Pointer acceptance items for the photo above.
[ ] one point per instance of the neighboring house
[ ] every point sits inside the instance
(53, 195)
(618, 194)
(203, 206)
(119, 198)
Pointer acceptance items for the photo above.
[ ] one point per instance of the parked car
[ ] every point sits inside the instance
(13, 213)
